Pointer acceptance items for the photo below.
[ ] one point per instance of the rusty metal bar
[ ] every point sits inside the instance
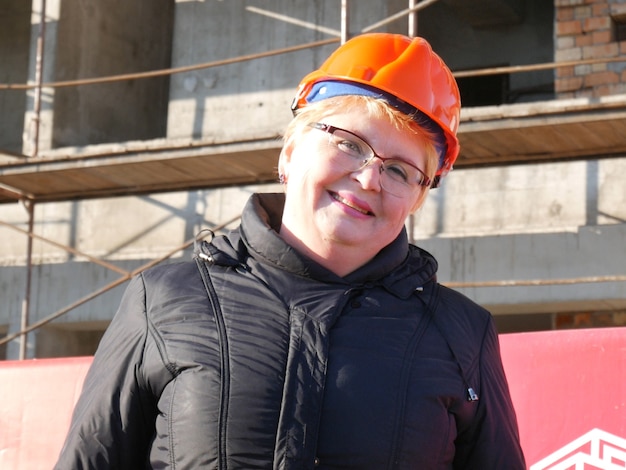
(67, 248)
(127, 276)
(171, 71)
(534, 67)
(538, 282)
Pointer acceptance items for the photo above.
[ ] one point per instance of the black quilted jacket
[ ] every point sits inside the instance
(253, 357)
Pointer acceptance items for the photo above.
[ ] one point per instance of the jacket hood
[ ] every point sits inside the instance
(399, 267)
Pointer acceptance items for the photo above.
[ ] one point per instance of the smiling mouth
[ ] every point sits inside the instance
(343, 201)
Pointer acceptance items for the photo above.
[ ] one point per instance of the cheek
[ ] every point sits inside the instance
(397, 211)
(309, 166)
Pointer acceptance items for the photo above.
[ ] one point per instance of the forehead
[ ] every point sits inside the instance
(366, 107)
(383, 137)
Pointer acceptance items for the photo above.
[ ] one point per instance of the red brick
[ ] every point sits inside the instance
(599, 319)
(597, 23)
(604, 90)
(565, 14)
(565, 28)
(563, 321)
(601, 37)
(601, 9)
(582, 320)
(584, 40)
(600, 78)
(601, 50)
(568, 84)
(565, 72)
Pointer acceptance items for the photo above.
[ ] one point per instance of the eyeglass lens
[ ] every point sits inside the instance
(397, 176)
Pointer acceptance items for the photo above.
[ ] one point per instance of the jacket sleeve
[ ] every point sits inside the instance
(113, 419)
(493, 441)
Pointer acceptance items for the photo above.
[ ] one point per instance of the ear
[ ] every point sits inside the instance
(284, 159)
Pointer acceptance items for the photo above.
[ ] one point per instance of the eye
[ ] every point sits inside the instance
(350, 146)
(397, 170)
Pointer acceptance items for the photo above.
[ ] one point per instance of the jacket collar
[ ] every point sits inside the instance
(399, 267)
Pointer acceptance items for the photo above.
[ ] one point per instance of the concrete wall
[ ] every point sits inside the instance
(37, 134)
(100, 39)
(548, 221)
(529, 41)
(517, 223)
(14, 50)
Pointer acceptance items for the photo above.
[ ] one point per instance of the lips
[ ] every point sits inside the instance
(351, 204)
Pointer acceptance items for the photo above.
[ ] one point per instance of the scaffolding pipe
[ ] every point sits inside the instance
(67, 248)
(412, 19)
(345, 21)
(170, 71)
(30, 207)
(125, 277)
(38, 81)
(411, 12)
(324, 42)
(397, 16)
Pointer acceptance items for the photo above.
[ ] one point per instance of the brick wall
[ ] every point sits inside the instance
(565, 321)
(588, 31)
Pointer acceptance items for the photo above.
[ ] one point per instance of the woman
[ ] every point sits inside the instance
(314, 335)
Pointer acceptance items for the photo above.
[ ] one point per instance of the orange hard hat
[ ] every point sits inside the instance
(405, 72)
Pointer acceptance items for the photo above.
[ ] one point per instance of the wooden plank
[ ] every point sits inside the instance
(516, 136)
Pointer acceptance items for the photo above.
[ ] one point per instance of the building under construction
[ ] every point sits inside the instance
(129, 126)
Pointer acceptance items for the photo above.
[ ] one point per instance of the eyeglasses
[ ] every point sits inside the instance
(397, 177)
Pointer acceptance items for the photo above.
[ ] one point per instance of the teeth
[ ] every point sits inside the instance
(343, 201)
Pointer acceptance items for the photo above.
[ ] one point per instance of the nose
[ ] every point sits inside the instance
(370, 175)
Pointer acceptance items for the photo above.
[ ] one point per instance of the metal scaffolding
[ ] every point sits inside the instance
(13, 193)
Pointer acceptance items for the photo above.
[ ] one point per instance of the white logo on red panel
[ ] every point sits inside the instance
(596, 450)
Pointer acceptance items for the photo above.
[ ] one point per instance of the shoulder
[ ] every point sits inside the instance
(167, 273)
(464, 322)
(461, 308)
(173, 293)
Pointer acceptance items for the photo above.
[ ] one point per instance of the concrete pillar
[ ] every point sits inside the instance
(40, 127)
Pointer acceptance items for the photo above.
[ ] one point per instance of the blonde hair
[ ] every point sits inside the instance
(373, 108)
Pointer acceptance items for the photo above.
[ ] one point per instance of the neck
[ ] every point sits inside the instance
(339, 259)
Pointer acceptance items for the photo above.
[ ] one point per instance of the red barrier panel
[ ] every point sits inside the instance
(569, 391)
(568, 387)
(37, 399)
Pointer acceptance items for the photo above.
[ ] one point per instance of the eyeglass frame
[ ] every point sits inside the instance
(425, 181)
